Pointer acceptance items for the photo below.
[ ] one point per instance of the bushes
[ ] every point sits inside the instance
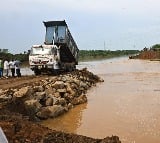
(99, 54)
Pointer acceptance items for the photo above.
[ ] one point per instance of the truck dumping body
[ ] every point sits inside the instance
(64, 48)
(57, 33)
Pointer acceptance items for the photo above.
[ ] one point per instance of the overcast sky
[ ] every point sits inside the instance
(94, 24)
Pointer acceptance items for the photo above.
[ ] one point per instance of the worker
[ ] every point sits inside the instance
(6, 67)
(1, 68)
(12, 67)
(17, 67)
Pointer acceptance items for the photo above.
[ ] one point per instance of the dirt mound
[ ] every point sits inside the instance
(149, 54)
(51, 96)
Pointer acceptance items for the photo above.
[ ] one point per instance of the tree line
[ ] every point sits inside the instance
(101, 54)
(83, 55)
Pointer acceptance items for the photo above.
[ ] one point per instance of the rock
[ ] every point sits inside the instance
(64, 78)
(83, 85)
(79, 100)
(69, 90)
(57, 94)
(62, 90)
(32, 106)
(5, 97)
(23, 92)
(40, 95)
(101, 80)
(113, 139)
(38, 88)
(50, 90)
(76, 81)
(74, 86)
(59, 85)
(49, 101)
(70, 106)
(66, 109)
(62, 101)
(50, 111)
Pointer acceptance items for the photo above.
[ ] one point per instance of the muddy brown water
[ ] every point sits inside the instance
(126, 104)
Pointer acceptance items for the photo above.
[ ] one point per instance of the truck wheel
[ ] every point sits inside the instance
(37, 72)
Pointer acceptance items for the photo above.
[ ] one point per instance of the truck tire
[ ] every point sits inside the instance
(37, 72)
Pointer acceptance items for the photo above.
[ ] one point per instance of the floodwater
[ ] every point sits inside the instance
(26, 71)
(126, 104)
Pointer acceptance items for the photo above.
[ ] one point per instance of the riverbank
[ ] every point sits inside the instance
(126, 104)
(33, 99)
(18, 129)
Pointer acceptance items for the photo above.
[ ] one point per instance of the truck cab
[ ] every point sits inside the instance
(42, 58)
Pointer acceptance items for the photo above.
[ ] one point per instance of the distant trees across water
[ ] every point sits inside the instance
(101, 54)
(83, 55)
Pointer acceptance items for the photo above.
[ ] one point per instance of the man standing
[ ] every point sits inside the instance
(12, 67)
(6, 68)
(17, 65)
(1, 67)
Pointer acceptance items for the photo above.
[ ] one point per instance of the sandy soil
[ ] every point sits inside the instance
(11, 82)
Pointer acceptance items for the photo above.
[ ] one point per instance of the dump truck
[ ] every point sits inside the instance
(59, 45)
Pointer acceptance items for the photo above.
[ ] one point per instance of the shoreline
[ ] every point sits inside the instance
(26, 102)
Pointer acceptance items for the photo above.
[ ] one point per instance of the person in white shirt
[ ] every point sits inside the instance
(6, 67)
(12, 67)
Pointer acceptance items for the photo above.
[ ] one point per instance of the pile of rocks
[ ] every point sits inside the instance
(52, 96)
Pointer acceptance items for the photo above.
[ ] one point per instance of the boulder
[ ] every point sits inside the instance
(57, 95)
(38, 88)
(23, 92)
(32, 106)
(49, 101)
(58, 85)
(83, 85)
(62, 101)
(70, 106)
(50, 90)
(5, 97)
(79, 100)
(40, 95)
(50, 111)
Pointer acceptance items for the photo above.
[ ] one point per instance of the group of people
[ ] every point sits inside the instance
(13, 66)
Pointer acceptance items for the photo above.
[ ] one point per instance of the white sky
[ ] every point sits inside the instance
(121, 24)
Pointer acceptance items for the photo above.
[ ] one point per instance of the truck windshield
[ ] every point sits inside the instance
(41, 51)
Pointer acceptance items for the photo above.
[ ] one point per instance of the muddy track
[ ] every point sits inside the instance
(16, 82)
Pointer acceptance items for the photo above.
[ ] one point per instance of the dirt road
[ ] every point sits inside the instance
(11, 82)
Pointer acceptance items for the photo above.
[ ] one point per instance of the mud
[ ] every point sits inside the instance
(18, 129)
